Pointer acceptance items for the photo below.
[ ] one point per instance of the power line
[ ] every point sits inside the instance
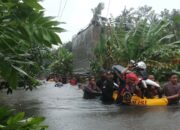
(59, 10)
(63, 9)
(108, 8)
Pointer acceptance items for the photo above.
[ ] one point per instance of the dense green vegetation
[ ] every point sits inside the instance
(26, 37)
(63, 62)
(144, 35)
(9, 120)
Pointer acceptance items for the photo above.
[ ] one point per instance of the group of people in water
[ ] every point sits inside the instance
(127, 84)
(60, 80)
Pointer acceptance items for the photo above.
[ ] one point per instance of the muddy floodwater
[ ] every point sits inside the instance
(65, 109)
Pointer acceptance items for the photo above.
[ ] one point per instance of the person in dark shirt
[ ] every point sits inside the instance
(100, 82)
(107, 90)
(172, 89)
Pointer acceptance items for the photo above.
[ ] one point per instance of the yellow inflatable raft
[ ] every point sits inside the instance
(135, 100)
(115, 95)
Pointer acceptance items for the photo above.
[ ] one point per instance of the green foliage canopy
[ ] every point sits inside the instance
(24, 32)
(11, 121)
(64, 63)
(141, 35)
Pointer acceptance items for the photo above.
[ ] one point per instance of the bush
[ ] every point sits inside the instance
(11, 121)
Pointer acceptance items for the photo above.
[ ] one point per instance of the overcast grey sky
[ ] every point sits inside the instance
(77, 13)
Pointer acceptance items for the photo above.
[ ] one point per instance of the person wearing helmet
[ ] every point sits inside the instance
(141, 70)
(141, 65)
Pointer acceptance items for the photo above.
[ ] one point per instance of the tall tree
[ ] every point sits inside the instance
(97, 13)
(24, 32)
(142, 35)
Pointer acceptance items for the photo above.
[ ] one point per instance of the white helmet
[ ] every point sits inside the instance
(141, 65)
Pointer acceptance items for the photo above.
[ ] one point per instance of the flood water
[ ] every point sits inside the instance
(65, 109)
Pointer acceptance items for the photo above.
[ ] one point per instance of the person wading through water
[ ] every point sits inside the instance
(128, 89)
(172, 89)
(107, 90)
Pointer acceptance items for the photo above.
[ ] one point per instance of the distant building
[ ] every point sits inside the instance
(83, 45)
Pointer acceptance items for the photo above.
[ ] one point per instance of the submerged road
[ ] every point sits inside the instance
(65, 109)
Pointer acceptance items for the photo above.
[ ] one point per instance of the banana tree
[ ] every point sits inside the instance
(63, 64)
(146, 37)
